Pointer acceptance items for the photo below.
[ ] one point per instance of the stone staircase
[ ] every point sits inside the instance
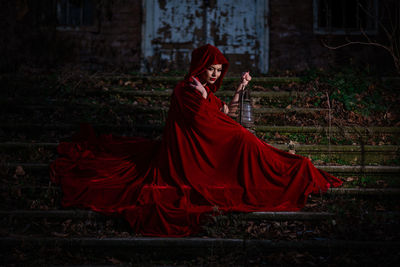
(353, 225)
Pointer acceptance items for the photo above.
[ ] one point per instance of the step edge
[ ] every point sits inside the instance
(337, 168)
(195, 242)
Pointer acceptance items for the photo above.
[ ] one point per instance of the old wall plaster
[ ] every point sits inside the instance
(172, 29)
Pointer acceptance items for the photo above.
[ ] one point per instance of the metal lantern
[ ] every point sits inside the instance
(246, 117)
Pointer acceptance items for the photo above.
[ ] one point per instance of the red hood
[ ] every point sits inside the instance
(205, 56)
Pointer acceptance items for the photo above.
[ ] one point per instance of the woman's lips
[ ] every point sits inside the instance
(212, 79)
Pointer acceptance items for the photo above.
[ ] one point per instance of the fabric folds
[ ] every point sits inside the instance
(204, 161)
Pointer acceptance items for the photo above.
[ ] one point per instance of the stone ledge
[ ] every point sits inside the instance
(193, 242)
(364, 191)
(352, 191)
(258, 128)
(298, 147)
(78, 214)
(334, 169)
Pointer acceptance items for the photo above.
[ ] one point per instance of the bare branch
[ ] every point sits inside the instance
(393, 36)
(379, 21)
(365, 35)
(353, 43)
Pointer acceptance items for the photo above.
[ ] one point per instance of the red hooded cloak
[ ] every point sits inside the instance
(205, 161)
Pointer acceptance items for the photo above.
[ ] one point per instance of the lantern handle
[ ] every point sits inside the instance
(241, 97)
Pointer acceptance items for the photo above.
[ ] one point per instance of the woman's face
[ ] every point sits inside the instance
(211, 74)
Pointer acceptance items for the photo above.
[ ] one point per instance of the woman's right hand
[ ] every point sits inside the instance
(199, 87)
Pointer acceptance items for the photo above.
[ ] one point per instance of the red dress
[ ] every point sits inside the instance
(205, 161)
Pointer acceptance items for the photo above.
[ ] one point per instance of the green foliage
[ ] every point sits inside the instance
(301, 138)
(329, 159)
(395, 161)
(335, 140)
(354, 88)
(373, 181)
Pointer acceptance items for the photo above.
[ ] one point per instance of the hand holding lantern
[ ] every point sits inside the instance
(241, 102)
(246, 78)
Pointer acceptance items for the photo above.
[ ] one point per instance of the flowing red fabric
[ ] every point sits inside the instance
(205, 162)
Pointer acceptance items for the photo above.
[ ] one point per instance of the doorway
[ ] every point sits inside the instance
(173, 28)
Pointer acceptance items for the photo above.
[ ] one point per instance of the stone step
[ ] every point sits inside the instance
(378, 213)
(343, 191)
(22, 197)
(259, 98)
(132, 108)
(122, 100)
(134, 114)
(298, 147)
(161, 94)
(175, 79)
(15, 221)
(345, 129)
(14, 175)
(79, 214)
(193, 242)
(342, 170)
(280, 129)
(364, 191)
(142, 82)
(220, 93)
(115, 79)
(353, 154)
(273, 80)
(307, 134)
(29, 192)
(195, 251)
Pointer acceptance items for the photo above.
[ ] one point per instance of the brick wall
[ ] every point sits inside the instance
(116, 41)
(113, 44)
(13, 36)
(294, 47)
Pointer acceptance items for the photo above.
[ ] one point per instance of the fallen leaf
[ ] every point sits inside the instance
(114, 261)
(250, 228)
(350, 179)
(19, 171)
(59, 234)
(382, 183)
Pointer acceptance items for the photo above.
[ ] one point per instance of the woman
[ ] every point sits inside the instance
(205, 161)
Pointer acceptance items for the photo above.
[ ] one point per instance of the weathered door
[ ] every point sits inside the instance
(173, 28)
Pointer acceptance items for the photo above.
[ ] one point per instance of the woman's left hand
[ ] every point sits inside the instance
(246, 78)
(244, 81)
(235, 100)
